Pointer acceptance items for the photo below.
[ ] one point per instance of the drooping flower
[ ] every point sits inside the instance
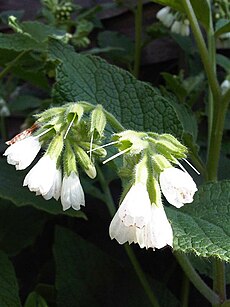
(44, 178)
(139, 221)
(72, 194)
(165, 16)
(55, 190)
(141, 217)
(177, 186)
(22, 153)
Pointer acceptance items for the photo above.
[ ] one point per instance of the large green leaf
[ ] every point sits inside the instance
(9, 295)
(203, 226)
(86, 276)
(135, 104)
(19, 227)
(19, 42)
(222, 26)
(11, 188)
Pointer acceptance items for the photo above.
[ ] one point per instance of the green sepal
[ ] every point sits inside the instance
(72, 109)
(154, 190)
(69, 159)
(98, 120)
(56, 146)
(131, 139)
(167, 145)
(97, 151)
(160, 163)
(48, 115)
(85, 162)
(141, 171)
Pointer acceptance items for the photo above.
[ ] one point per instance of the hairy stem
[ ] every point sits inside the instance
(136, 266)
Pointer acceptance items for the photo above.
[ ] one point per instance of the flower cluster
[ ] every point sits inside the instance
(141, 217)
(176, 21)
(68, 138)
(72, 139)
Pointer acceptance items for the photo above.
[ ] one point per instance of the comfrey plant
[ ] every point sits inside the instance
(71, 140)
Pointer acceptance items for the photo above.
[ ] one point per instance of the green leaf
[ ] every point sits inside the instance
(9, 295)
(175, 84)
(19, 42)
(135, 104)
(117, 40)
(86, 276)
(224, 62)
(40, 32)
(24, 102)
(19, 227)
(34, 299)
(175, 4)
(222, 26)
(203, 226)
(11, 188)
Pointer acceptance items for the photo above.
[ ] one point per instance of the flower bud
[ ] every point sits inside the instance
(69, 160)
(74, 108)
(56, 146)
(98, 120)
(133, 140)
(85, 162)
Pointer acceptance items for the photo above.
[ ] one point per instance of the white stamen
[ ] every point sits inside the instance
(195, 170)
(182, 167)
(91, 147)
(116, 155)
(99, 147)
(42, 133)
(71, 123)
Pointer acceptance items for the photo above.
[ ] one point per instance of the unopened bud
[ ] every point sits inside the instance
(85, 161)
(98, 120)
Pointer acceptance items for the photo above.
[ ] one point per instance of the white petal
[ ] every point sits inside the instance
(72, 194)
(177, 186)
(23, 152)
(41, 177)
(158, 232)
(55, 190)
(176, 27)
(120, 232)
(136, 206)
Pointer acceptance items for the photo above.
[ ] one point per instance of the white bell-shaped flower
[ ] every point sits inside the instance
(165, 16)
(177, 186)
(22, 153)
(72, 194)
(55, 190)
(43, 177)
(138, 221)
(176, 27)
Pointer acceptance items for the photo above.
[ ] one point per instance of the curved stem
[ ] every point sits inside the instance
(136, 266)
(138, 41)
(194, 277)
(11, 64)
(185, 291)
(203, 50)
(219, 279)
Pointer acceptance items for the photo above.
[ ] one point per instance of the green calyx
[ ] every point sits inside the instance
(98, 121)
(132, 140)
(56, 146)
(69, 159)
(85, 161)
(73, 110)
